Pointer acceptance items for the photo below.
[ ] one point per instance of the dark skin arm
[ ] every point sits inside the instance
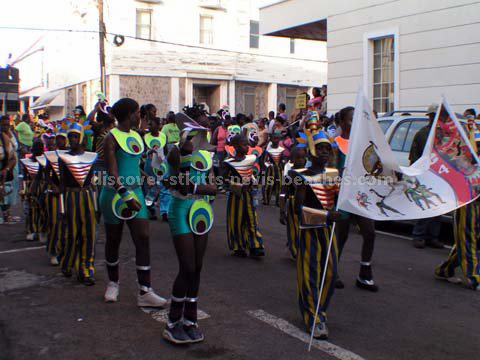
(214, 139)
(12, 160)
(110, 148)
(186, 187)
(61, 167)
(49, 175)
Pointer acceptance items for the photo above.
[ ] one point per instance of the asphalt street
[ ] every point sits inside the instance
(249, 306)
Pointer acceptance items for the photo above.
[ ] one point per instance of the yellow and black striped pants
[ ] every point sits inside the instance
(37, 217)
(242, 223)
(80, 238)
(292, 227)
(311, 256)
(465, 251)
(272, 183)
(56, 229)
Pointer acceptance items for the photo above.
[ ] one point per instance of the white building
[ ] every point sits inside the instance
(405, 53)
(176, 52)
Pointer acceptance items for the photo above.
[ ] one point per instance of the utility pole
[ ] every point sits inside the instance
(101, 36)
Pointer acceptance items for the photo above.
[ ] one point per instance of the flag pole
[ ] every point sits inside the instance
(323, 282)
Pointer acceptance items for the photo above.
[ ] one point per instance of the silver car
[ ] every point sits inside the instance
(400, 128)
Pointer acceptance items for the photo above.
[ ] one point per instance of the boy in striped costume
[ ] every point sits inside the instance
(78, 204)
(315, 197)
(273, 170)
(242, 224)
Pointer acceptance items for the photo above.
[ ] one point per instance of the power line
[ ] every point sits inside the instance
(156, 41)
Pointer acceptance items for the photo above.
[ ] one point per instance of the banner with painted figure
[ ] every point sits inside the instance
(444, 178)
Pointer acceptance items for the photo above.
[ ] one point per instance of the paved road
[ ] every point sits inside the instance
(44, 316)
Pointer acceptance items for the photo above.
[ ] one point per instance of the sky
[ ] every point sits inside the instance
(35, 13)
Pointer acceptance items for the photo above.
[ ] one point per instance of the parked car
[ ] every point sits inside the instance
(400, 129)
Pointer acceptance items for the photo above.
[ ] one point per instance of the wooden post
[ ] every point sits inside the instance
(101, 36)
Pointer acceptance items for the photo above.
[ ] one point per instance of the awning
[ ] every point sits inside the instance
(54, 98)
(298, 19)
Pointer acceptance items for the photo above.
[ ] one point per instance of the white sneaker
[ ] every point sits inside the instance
(321, 331)
(43, 238)
(53, 261)
(151, 299)
(31, 237)
(111, 294)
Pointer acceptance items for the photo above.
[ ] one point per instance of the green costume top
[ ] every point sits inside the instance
(191, 213)
(154, 142)
(128, 158)
(172, 132)
(25, 134)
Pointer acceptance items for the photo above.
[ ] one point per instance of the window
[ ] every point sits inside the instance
(144, 24)
(383, 74)
(206, 30)
(415, 126)
(249, 100)
(403, 136)
(254, 34)
(385, 124)
(292, 46)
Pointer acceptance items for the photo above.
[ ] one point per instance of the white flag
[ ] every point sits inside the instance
(446, 177)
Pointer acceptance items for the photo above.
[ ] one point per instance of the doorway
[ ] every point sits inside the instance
(208, 94)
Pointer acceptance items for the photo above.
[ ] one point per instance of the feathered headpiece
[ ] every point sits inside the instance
(189, 128)
(251, 132)
(301, 140)
(313, 132)
(232, 131)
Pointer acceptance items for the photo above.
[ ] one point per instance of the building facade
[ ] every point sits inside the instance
(405, 53)
(178, 52)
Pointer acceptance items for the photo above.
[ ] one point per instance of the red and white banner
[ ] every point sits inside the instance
(374, 185)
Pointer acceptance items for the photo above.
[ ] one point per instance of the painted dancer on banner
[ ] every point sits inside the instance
(447, 174)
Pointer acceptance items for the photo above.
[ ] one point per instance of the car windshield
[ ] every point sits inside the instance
(385, 124)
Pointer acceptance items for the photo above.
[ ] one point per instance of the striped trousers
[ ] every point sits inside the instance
(272, 183)
(292, 227)
(465, 251)
(81, 235)
(36, 216)
(242, 224)
(56, 229)
(311, 256)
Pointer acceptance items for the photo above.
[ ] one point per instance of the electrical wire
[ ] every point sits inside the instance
(156, 41)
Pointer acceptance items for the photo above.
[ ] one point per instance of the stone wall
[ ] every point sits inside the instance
(147, 89)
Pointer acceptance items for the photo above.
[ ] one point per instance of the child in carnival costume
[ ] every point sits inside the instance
(77, 204)
(315, 196)
(188, 173)
(273, 161)
(242, 223)
(288, 216)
